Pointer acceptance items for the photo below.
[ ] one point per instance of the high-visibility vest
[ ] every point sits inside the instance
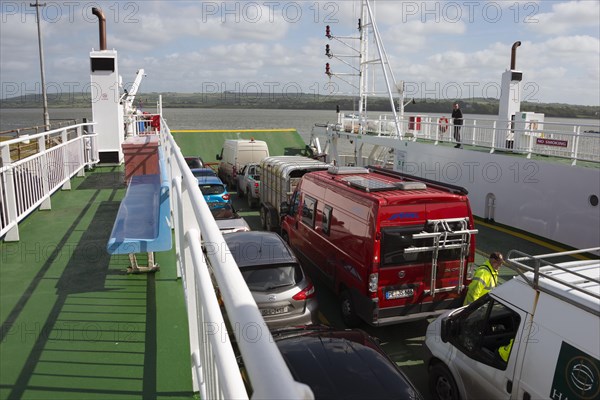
(504, 351)
(484, 280)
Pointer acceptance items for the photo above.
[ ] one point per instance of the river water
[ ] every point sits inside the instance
(202, 118)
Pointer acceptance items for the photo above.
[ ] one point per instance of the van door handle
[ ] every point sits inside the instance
(509, 386)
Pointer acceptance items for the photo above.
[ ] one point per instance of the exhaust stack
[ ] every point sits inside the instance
(101, 26)
(513, 55)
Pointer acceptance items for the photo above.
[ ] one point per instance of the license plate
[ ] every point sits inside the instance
(399, 294)
(274, 311)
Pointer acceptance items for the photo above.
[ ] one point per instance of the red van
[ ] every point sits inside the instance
(394, 247)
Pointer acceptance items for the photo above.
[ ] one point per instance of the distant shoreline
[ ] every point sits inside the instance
(305, 102)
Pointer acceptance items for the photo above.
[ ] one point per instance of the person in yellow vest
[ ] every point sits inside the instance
(504, 351)
(485, 278)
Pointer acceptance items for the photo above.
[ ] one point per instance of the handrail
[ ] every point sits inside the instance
(215, 371)
(28, 183)
(579, 142)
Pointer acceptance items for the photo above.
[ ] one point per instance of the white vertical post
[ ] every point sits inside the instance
(45, 173)
(11, 197)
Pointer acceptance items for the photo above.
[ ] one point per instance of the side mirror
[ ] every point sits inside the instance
(449, 328)
(219, 157)
(284, 208)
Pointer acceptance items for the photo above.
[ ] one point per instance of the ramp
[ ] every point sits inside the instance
(208, 143)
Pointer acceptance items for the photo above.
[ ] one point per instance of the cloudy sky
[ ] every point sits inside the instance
(440, 49)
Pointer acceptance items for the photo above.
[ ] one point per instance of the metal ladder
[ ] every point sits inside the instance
(444, 238)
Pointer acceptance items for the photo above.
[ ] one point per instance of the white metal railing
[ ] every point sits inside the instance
(573, 142)
(205, 264)
(32, 167)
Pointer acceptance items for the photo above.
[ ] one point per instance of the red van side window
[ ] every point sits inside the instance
(308, 211)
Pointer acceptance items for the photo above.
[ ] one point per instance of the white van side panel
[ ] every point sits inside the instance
(555, 322)
(247, 155)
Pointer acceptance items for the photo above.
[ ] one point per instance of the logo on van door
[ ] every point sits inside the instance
(577, 375)
(404, 215)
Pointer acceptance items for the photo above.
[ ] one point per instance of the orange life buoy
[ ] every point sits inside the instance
(443, 124)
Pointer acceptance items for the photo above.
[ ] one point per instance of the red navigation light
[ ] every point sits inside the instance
(328, 32)
(327, 71)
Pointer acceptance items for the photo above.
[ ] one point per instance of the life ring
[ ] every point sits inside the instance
(443, 124)
(155, 122)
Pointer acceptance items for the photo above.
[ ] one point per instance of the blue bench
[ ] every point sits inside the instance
(142, 223)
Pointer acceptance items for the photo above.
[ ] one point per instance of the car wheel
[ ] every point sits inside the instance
(263, 217)
(442, 384)
(348, 311)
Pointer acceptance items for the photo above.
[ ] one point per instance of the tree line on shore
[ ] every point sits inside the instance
(304, 101)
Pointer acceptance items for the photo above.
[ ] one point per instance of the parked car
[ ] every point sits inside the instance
(248, 184)
(194, 162)
(198, 172)
(213, 189)
(283, 292)
(228, 220)
(342, 364)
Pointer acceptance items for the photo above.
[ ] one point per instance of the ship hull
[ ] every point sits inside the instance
(549, 199)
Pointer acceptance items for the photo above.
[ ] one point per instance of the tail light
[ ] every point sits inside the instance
(256, 185)
(226, 196)
(306, 293)
(373, 282)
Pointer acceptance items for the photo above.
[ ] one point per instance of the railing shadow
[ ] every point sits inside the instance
(99, 334)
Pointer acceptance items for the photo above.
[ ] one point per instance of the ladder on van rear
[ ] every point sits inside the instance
(446, 234)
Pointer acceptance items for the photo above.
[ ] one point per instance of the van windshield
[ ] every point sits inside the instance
(395, 241)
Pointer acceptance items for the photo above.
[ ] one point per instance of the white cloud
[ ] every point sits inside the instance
(567, 17)
(184, 45)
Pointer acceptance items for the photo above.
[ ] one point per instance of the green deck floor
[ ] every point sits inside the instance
(74, 324)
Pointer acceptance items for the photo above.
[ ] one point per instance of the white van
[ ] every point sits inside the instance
(237, 153)
(536, 336)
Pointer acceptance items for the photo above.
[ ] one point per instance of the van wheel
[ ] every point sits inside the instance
(263, 217)
(441, 383)
(348, 311)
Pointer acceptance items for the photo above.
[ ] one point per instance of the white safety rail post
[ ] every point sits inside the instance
(8, 196)
(28, 183)
(214, 365)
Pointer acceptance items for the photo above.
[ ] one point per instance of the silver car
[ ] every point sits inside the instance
(227, 219)
(283, 293)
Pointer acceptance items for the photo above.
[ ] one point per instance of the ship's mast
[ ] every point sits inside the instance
(368, 34)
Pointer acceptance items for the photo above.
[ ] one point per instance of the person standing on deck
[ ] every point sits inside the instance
(457, 121)
(485, 278)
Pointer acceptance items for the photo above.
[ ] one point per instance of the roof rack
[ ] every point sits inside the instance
(541, 268)
(430, 182)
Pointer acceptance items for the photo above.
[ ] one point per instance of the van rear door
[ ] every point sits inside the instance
(413, 268)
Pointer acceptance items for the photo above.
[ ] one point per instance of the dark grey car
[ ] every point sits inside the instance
(284, 294)
(342, 364)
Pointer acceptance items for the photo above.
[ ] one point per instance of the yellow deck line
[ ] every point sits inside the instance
(231, 130)
(528, 238)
